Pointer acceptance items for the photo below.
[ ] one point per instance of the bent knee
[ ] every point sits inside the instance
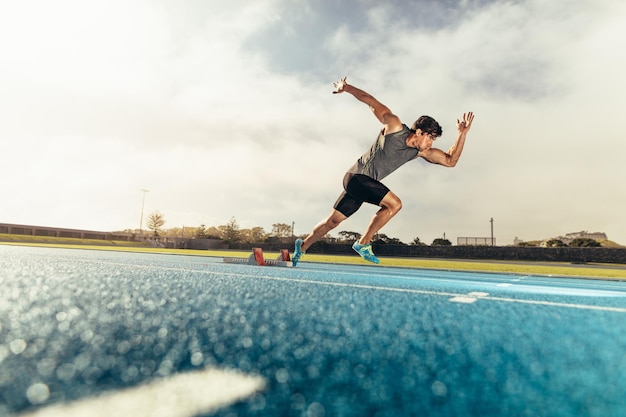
(392, 202)
(332, 223)
(397, 207)
(334, 220)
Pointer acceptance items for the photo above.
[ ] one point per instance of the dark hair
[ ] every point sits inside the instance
(428, 125)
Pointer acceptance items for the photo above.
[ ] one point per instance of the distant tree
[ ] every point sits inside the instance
(177, 232)
(382, 238)
(584, 242)
(256, 234)
(555, 243)
(155, 222)
(213, 233)
(417, 242)
(441, 242)
(201, 232)
(349, 236)
(230, 231)
(281, 230)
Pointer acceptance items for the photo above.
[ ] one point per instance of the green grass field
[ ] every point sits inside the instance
(596, 271)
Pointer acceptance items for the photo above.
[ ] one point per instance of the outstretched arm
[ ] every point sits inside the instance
(381, 112)
(450, 158)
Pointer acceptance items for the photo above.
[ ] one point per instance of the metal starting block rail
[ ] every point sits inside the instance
(257, 258)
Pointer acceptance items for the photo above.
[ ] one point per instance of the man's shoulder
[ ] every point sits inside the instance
(392, 123)
(400, 130)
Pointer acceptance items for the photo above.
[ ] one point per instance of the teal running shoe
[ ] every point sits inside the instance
(366, 252)
(297, 252)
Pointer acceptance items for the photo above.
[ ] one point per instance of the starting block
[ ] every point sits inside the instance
(257, 258)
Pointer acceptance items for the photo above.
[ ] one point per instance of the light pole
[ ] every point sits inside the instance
(491, 221)
(143, 201)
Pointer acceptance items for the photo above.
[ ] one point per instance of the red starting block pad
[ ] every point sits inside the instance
(257, 258)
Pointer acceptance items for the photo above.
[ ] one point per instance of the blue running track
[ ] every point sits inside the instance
(327, 340)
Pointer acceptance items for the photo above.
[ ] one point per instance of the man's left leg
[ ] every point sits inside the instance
(318, 232)
(334, 218)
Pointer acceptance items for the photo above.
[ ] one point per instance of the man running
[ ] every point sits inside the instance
(396, 145)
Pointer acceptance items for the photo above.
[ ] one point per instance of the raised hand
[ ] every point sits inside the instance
(463, 126)
(339, 85)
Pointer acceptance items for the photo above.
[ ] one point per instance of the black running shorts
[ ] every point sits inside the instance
(359, 189)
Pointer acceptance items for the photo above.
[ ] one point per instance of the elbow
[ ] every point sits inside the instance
(450, 162)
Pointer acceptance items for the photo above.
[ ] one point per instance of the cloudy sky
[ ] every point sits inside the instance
(224, 109)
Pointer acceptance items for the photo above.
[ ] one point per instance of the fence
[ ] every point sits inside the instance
(475, 241)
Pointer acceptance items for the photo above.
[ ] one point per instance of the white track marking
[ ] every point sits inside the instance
(381, 288)
(478, 294)
(555, 304)
(462, 299)
(438, 293)
(182, 395)
(469, 298)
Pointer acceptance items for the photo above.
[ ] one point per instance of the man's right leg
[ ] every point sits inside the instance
(389, 207)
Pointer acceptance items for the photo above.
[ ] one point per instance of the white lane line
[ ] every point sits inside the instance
(182, 395)
(372, 287)
(437, 293)
(554, 304)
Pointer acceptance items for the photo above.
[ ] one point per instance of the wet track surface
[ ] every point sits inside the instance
(327, 340)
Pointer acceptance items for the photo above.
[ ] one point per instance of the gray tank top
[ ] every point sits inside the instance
(387, 153)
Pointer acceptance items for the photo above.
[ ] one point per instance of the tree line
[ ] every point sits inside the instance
(231, 233)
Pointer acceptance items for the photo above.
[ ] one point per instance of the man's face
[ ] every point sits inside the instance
(426, 140)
